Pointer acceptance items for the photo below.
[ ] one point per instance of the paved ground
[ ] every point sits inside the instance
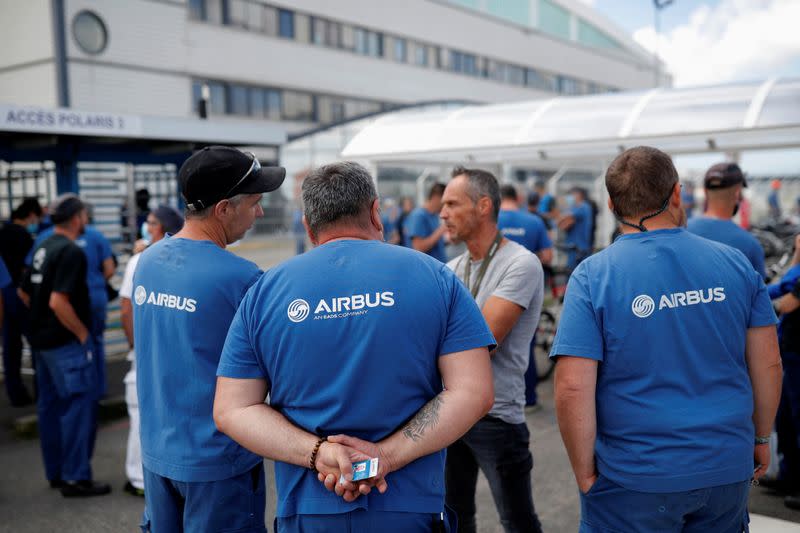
(27, 505)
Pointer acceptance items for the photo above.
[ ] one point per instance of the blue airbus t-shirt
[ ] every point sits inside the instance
(524, 229)
(348, 337)
(666, 314)
(97, 249)
(580, 234)
(421, 223)
(727, 232)
(185, 296)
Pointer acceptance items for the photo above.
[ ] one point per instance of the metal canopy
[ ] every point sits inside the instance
(591, 129)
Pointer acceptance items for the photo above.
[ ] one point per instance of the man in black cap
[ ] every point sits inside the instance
(56, 291)
(723, 184)
(186, 290)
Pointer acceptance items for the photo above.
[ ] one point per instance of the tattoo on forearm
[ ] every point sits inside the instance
(427, 417)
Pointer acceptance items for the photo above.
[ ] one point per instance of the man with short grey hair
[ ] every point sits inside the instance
(359, 337)
(506, 280)
(186, 290)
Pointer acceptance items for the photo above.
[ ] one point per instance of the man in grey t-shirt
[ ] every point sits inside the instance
(507, 282)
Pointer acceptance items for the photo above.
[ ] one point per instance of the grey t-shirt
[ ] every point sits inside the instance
(515, 274)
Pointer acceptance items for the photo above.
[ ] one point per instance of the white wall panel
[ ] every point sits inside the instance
(27, 31)
(34, 85)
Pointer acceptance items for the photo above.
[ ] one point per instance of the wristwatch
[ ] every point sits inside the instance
(762, 440)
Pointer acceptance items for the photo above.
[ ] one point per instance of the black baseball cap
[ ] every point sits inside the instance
(219, 172)
(65, 207)
(724, 175)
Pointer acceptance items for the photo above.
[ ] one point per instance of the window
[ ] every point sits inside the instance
(368, 43)
(554, 19)
(257, 102)
(330, 109)
(217, 105)
(238, 104)
(197, 9)
(400, 50)
(515, 75)
(317, 31)
(421, 55)
(298, 106)
(302, 28)
(273, 103)
(214, 11)
(567, 85)
(537, 80)
(286, 24)
(89, 32)
(348, 37)
(269, 20)
(239, 13)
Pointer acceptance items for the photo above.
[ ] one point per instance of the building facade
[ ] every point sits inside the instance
(306, 63)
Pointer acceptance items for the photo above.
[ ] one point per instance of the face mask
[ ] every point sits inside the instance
(146, 237)
(32, 227)
(570, 198)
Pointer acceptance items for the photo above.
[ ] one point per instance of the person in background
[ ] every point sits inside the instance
(578, 222)
(668, 373)
(422, 229)
(547, 209)
(688, 199)
(298, 231)
(745, 210)
(786, 294)
(406, 206)
(390, 216)
(101, 266)
(142, 201)
(164, 220)
(723, 185)
(529, 231)
(774, 199)
(56, 291)
(16, 241)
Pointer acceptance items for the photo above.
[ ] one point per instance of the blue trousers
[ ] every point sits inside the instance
(15, 324)
(96, 330)
(233, 504)
(360, 521)
(501, 452)
(610, 507)
(66, 408)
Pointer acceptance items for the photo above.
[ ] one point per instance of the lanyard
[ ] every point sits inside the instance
(488, 259)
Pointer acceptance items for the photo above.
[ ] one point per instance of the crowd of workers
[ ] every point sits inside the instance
(668, 373)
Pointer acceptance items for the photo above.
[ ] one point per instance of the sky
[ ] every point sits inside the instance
(706, 42)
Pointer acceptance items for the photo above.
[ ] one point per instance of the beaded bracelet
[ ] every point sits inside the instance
(312, 462)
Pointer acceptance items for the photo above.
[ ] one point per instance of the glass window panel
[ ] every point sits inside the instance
(375, 44)
(333, 34)
(553, 19)
(213, 11)
(286, 23)
(515, 75)
(238, 100)
(274, 105)
(591, 36)
(197, 94)
(400, 50)
(269, 17)
(470, 64)
(298, 106)
(218, 104)
(257, 102)
(302, 28)
(317, 31)
(420, 54)
(517, 11)
(348, 37)
(433, 56)
(238, 13)
(197, 9)
(361, 41)
(444, 59)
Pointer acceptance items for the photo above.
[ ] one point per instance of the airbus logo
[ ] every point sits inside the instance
(643, 305)
(298, 310)
(140, 295)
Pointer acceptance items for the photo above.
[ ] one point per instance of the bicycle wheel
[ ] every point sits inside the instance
(545, 334)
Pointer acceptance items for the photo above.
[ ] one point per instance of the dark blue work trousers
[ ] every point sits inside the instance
(15, 325)
(787, 422)
(66, 408)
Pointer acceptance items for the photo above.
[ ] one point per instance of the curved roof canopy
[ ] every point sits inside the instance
(745, 116)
